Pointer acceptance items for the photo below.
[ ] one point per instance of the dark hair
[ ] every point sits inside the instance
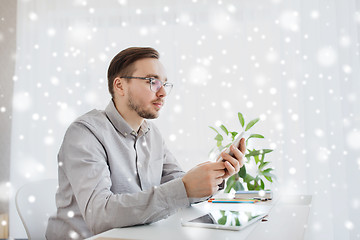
(122, 63)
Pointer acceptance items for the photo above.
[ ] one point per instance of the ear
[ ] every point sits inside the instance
(119, 86)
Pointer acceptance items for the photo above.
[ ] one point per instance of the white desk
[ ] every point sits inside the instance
(287, 219)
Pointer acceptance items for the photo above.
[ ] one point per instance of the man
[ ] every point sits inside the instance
(114, 167)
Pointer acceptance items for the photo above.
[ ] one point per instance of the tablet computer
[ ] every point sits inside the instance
(225, 219)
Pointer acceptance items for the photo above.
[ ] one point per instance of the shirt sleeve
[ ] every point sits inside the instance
(171, 167)
(172, 170)
(83, 159)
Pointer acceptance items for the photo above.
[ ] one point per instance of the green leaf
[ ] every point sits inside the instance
(237, 222)
(258, 152)
(268, 178)
(218, 144)
(267, 171)
(241, 119)
(252, 153)
(230, 180)
(238, 186)
(256, 184)
(262, 158)
(222, 220)
(242, 172)
(264, 151)
(229, 184)
(255, 136)
(250, 186)
(224, 129)
(269, 175)
(233, 135)
(262, 184)
(262, 165)
(219, 137)
(251, 123)
(257, 160)
(248, 178)
(214, 129)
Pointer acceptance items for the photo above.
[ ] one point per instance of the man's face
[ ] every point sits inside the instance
(140, 98)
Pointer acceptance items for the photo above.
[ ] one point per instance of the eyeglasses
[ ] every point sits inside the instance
(155, 84)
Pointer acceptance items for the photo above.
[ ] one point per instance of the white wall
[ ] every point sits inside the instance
(7, 63)
(293, 63)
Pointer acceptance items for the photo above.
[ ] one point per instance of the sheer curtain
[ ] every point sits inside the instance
(294, 64)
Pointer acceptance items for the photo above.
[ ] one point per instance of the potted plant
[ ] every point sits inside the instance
(243, 180)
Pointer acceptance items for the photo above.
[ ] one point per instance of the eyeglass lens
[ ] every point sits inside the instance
(156, 84)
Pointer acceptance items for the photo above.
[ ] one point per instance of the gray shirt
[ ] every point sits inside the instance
(111, 176)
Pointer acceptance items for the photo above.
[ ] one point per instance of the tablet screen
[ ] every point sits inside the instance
(226, 219)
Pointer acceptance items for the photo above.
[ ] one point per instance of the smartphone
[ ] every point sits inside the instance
(236, 142)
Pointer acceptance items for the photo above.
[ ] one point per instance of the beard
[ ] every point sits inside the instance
(140, 110)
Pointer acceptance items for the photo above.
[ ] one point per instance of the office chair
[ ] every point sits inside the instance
(35, 202)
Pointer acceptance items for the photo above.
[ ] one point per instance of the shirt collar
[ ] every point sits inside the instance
(121, 125)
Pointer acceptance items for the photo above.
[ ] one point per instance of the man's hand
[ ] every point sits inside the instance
(233, 164)
(203, 180)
